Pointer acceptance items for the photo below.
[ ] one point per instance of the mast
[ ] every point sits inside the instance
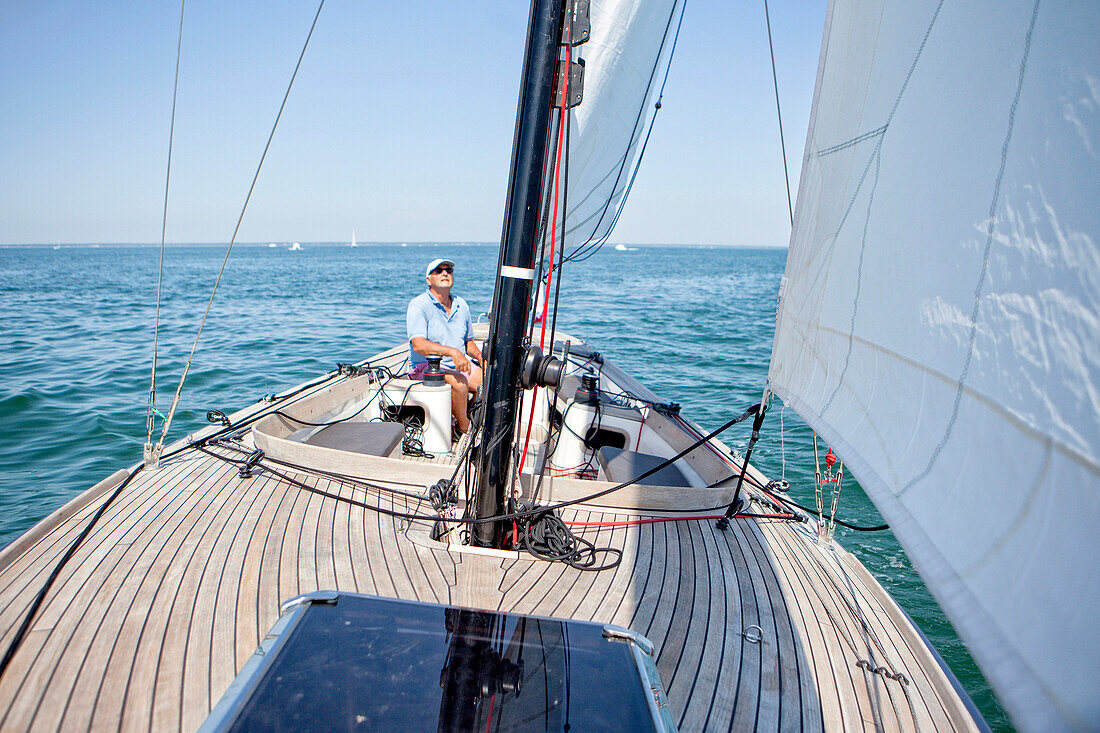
(512, 295)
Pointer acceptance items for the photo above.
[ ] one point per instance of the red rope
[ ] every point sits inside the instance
(652, 520)
(489, 719)
(553, 237)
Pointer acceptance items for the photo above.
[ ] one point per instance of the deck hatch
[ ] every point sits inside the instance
(358, 662)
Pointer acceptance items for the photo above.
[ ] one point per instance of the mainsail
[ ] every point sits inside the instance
(939, 321)
(625, 59)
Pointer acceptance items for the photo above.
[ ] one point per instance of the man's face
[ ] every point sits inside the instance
(442, 276)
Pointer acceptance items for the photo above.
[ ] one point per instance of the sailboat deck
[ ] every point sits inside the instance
(181, 578)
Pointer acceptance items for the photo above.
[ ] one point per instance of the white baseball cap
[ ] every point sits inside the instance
(436, 263)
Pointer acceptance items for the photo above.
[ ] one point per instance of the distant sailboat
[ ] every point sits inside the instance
(353, 244)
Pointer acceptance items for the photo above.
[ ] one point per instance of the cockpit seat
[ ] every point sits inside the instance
(619, 465)
(369, 438)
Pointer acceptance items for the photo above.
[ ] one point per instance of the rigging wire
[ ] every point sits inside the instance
(236, 229)
(563, 120)
(779, 114)
(40, 597)
(658, 520)
(151, 408)
(328, 423)
(782, 444)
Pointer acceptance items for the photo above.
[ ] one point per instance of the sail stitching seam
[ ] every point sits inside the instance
(960, 384)
(1062, 448)
(854, 141)
(876, 159)
(890, 117)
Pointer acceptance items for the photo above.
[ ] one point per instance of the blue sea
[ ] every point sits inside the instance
(695, 323)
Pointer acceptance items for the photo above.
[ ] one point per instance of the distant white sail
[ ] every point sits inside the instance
(940, 317)
(624, 65)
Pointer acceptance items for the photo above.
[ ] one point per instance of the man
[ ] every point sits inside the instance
(439, 324)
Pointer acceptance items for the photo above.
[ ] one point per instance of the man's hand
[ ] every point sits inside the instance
(462, 363)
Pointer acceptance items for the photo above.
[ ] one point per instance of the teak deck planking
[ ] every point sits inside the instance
(182, 577)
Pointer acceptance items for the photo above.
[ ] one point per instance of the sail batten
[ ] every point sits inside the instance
(938, 324)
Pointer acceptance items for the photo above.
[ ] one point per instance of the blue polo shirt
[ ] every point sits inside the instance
(427, 318)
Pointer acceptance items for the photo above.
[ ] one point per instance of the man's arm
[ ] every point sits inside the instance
(471, 345)
(425, 347)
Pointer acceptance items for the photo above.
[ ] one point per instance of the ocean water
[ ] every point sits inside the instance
(694, 323)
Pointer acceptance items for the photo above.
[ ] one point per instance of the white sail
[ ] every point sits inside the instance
(939, 321)
(624, 65)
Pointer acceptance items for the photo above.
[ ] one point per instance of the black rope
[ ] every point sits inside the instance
(538, 531)
(528, 513)
(785, 500)
(735, 503)
(389, 376)
(28, 619)
(548, 538)
(412, 444)
(354, 482)
(618, 487)
(412, 441)
(813, 512)
(260, 414)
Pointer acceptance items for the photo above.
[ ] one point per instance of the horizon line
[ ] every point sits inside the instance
(334, 243)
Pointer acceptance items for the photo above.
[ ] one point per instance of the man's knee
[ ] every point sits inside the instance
(458, 384)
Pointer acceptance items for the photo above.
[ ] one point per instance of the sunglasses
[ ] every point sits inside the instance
(443, 268)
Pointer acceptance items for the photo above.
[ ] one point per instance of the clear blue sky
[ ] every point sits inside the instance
(399, 125)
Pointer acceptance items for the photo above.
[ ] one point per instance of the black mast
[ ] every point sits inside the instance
(512, 295)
